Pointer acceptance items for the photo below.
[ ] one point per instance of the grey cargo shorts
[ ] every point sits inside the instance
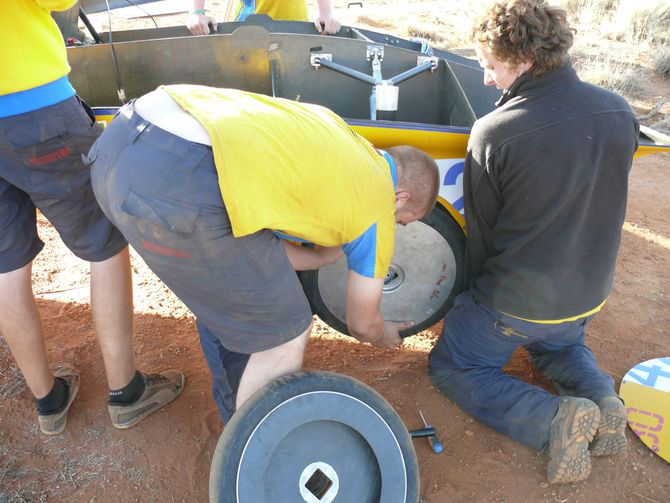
(162, 192)
(41, 167)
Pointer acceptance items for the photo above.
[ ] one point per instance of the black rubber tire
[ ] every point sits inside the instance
(233, 440)
(449, 230)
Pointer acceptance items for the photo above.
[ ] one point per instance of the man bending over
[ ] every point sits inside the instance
(215, 188)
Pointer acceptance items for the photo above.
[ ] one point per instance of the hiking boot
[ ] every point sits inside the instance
(572, 428)
(54, 423)
(160, 389)
(611, 435)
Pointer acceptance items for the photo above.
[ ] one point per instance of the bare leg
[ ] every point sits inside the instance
(270, 364)
(112, 308)
(21, 325)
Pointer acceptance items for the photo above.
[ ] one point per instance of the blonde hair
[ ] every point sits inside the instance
(419, 175)
(515, 31)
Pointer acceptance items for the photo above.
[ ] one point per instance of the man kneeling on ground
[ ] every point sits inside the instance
(545, 185)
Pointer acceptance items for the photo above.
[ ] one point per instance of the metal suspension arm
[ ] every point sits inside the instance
(412, 72)
(319, 60)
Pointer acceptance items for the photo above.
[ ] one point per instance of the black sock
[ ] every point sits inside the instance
(55, 400)
(130, 392)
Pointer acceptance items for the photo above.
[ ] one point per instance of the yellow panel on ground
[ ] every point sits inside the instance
(646, 391)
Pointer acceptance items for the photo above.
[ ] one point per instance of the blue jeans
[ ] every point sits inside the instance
(226, 367)
(477, 341)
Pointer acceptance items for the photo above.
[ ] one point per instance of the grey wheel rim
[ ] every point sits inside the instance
(420, 279)
(320, 447)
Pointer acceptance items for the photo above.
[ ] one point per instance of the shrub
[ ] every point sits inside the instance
(608, 73)
(662, 61)
(645, 21)
(587, 15)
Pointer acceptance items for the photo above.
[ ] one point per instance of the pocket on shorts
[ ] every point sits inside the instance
(45, 148)
(40, 143)
(171, 216)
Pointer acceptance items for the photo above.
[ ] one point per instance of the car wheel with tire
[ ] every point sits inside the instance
(425, 275)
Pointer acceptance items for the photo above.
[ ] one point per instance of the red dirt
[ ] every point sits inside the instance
(167, 457)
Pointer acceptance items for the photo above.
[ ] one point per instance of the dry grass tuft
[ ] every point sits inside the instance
(649, 21)
(70, 472)
(576, 6)
(374, 23)
(432, 35)
(79, 472)
(662, 61)
(29, 493)
(662, 125)
(10, 476)
(605, 72)
(589, 13)
(646, 21)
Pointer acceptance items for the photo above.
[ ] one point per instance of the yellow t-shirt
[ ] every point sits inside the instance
(31, 46)
(296, 168)
(290, 10)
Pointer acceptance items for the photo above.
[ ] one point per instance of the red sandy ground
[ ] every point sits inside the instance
(167, 457)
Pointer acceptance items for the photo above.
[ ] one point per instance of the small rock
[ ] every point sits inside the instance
(469, 433)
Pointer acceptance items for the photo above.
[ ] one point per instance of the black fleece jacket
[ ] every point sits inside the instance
(545, 186)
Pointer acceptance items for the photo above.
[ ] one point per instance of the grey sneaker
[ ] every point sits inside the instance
(53, 424)
(611, 435)
(160, 390)
(572, 428)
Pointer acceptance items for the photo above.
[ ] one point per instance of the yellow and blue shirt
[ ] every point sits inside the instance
(298, 169)
(34, 61)
(291, 10)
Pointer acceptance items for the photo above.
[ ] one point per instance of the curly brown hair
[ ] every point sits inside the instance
(515, 31)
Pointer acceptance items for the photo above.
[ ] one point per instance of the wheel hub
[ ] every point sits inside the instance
(319, 483)
(394, 279)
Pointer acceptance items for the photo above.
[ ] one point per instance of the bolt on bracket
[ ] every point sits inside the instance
(432, 59)
(316, 58)
(375, 52)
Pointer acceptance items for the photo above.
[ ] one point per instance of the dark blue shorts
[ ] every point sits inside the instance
(163, 193)
(41, 167)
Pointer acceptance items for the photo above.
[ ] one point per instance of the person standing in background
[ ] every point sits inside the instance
(199, 23)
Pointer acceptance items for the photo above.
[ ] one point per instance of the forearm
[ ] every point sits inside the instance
(198, 22)
(365, 320)
(327, 23)
(370, 329)
(325, 7)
